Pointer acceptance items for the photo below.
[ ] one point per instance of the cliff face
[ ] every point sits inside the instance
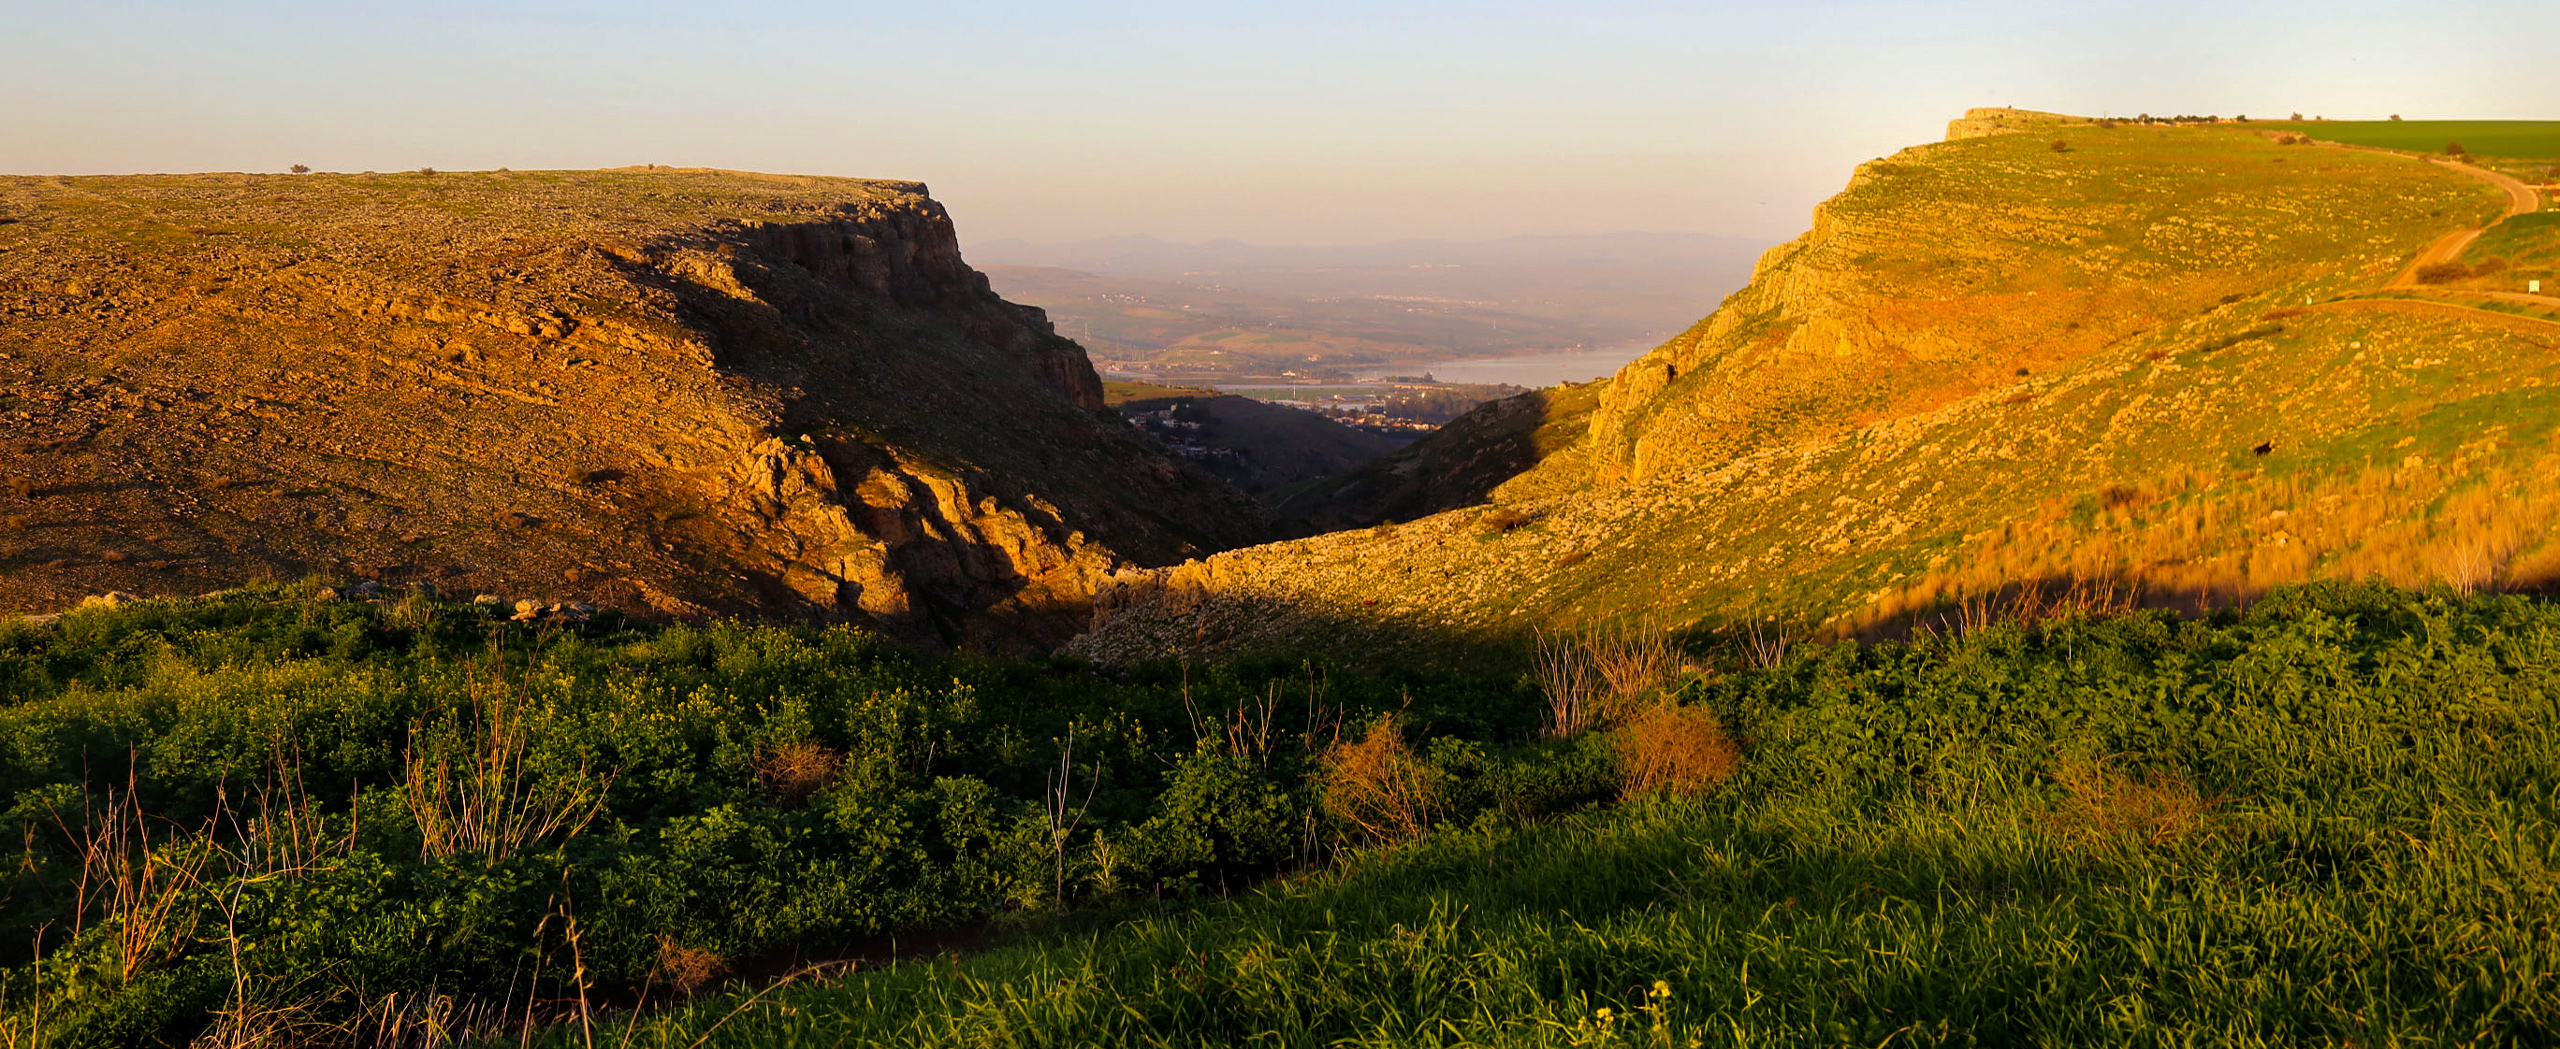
(679, 392)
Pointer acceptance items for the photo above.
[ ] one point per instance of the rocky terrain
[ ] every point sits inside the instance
(2166, 363)
(670, 392)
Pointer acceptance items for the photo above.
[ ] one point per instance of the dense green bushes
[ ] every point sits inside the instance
(344, 812)
(2334, 818)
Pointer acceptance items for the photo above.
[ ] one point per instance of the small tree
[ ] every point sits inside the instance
(2395, 116)
(2296, 116)
(2454, 149)
(300, 169)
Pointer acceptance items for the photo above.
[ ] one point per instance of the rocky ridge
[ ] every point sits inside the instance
(675, 392)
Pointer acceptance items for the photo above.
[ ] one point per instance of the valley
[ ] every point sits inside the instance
(2093, 587)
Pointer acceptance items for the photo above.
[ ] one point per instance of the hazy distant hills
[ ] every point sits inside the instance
(1347, 305)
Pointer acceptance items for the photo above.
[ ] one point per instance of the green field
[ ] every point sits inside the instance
(2514, 139)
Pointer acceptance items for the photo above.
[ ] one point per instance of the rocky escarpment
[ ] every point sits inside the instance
(676, 392)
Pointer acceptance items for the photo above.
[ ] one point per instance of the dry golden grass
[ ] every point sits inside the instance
(2105, 807)
(1378, 785)
(793, 771)
(472, 792)
(1569, 681)
(1591, 680)
(687, 969)
(1673, 749)
(2483, 520)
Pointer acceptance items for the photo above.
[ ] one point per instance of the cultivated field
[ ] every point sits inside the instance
(2514, 139)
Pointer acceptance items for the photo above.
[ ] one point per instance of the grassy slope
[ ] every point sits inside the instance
(2529, 247)
(1897, 458)
(2326, 821)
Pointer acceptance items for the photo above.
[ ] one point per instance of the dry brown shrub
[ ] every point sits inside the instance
(1672, 749)
(2104, 806)
(793, 771)
(2442, 272)
(1574, 558)
(687, 969)
(1378, 784)
(1502, 519)
(2119, 496)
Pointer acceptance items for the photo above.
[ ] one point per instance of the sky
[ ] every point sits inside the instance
(1305, 122)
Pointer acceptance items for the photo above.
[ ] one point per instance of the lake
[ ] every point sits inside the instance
(1528, 369)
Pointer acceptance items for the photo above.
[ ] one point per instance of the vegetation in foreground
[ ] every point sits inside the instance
(266, 818)
(2329, 819)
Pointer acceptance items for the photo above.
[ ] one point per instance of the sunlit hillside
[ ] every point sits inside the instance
(2189, 362)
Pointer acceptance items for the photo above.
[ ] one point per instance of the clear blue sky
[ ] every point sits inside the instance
(1311, 121)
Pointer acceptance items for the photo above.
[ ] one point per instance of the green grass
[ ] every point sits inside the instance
(2330, 820)
(2517, 139)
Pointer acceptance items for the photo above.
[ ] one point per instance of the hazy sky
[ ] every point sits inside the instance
(1309, 121)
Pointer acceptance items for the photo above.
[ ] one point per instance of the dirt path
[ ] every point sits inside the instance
(2521, 200)
(2510, 321)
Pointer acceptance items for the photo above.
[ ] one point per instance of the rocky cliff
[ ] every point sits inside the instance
(682, 392)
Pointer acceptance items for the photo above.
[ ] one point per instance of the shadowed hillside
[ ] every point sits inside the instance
(673, 392)
(1260, 447)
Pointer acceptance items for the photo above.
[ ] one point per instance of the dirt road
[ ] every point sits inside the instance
(2521, 200)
